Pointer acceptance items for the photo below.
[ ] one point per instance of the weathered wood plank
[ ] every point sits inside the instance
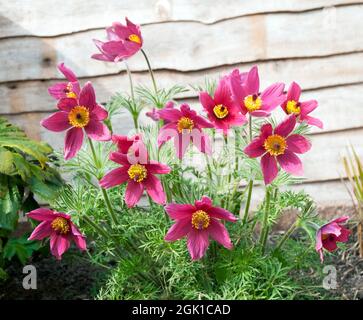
(322, 162)
(19, 18)
(193, 46)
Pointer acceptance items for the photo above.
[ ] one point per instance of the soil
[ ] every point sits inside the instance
(72, 278)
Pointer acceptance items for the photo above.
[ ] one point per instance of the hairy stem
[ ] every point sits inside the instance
(248, 202)
(265, 228)
(150, 71)
(287, 235)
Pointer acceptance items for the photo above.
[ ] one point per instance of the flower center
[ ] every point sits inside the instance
(60, 225)
(78, 116)
(200, 220)
(135, 38)
(252, 102)
(275, 145)
(293, 106)
(69, 91)
(185, 123)
(220, 111)
(137, 172)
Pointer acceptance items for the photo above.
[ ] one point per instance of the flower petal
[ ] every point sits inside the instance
(158, 168)
(155, 189)
(219, 233)
(68, 73)
(99, 113)
(120, 158)
(87, 96)
(167, 132)
(198, 243)
(255, 148)
(58, 245)
(178, 230)
(312, 121)
(133, 193)
(298, 144)
(97, 130)
(42, 231)
(180, 211)
(67, 104)
(205, 203)
(223, 214)
(56, 122)
(269, 168)
(169, 114)
(252, 81)
(41, 214)
(290, 163)
(294, 92)
(286, 126)
(308, 106)
(114, 178)
(73, 142)
(57, 90)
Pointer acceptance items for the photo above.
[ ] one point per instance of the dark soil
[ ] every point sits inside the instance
(73, 277)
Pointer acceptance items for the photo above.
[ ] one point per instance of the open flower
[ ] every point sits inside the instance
(124, 42)
(221, 109)
(278, 146)
(69, 89)
(59, 228)
(198, 222)
(301, 109)
(245, 93)
(329, 234)
(124, 142)
(139, 174)
(184, 126)
(76, 115)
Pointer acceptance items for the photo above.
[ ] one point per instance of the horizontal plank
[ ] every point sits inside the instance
(321, 163)
(192, 46)
(22, 18)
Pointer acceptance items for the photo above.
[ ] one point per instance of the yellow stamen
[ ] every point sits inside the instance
(185, 123)
(60, 225)
(137, 172)
(135, 38)
(252, 103)
(220, 111)
(78, 117)
(275, 145)
(325, 236)
(69, 91)
(292, 107)
(71, 95)
(200, 220)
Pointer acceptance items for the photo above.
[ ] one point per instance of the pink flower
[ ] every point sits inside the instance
(59, 228)
(154, 114)
(124, 42)
(124, 142)
(139, 173)
(68, 89)
(245, 92)
(74, 115)
(329, 234)
(278, 145)
(198, 223)
(221, 109)
(185, 126)
(301, 109)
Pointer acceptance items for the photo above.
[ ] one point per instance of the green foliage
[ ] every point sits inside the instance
(21, 248)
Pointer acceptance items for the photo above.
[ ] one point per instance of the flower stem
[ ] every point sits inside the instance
(131, 82)
(248, 202)
(264, 230)
(287, 235)
(150, 71)
(104, 193)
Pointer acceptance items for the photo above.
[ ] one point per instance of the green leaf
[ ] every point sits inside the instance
(10, 204)
(6, 161)
(21, 248)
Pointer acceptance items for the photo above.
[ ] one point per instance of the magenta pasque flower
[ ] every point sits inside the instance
(329, 234)
(245, 93)
(124, 142)
(68, 89)
(301, 109)
(59, 228)
(198, 222)
(76, 116)
(139, 174)
(185, 126)
(123, 42)
(221, 109)
(278, 146)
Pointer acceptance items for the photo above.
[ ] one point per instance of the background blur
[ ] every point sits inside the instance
(318, 43)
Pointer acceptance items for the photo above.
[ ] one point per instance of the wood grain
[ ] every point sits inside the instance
(193, 46)
(19, 17)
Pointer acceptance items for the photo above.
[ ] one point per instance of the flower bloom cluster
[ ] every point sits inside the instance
(235, 102)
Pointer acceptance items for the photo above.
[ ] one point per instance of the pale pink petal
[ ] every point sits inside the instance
(308, 106)
(219, 233)
(198, 243)
(253, 81)
(298, 144)
(286, 126)
(269, 168)
(180, 211)
(167, 132)
(202, 142)
(56, 122)
(97, 130)
(42, 231)
(290, 163)
(155, 189)
(178, 230)
(114, 178)
(313, 121)
(181, 143)
(319, 243)
(133, 193)
(73, 142)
